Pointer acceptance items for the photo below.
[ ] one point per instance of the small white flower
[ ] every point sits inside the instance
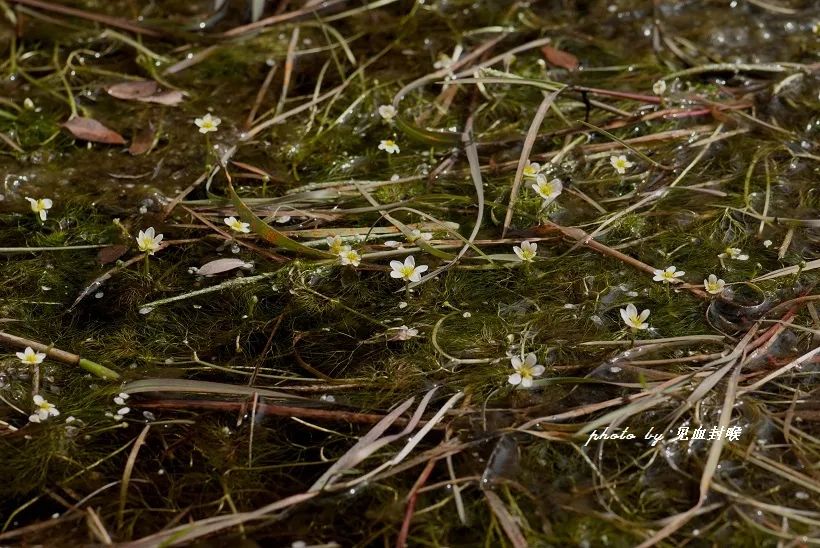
(40, 207)
(632, 319)
(620, 163)
(120, 398)
(525, 370)
(417, 234)
(282, 219)
(734, 253)
(527, 251)
(123, 411)
(387, 112)
(237, 225)
(208, 123)
(713, 285)
(389, 146)
(335, 244)
(767, 244)
(148, 241)
(659, 87)
(670, 275)
(408, 270)
(393, 244)
(43, 409)
(548, 190)
(349, 256)
(532, 169)
(28, 104)
(403, 333)
(30, 357)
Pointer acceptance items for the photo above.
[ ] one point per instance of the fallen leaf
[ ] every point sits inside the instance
(169, 98)
(146, 91)
(89, 129)
(560, 58)
(221, 265)
(133, 90)
(142, 141)
(111, 253)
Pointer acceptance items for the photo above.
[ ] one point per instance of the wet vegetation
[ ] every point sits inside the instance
(299, 390)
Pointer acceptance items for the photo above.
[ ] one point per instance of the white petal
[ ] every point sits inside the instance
(410, 261)
(538, 370)
(644, 315)
(34, 418)
(530, 359)
(38, 399)
(526, 382)
(514, 379)
(516, 362)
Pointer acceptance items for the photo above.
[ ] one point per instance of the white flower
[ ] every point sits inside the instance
(335, 244)
(149, 240)
(120, 398)
(207, 123)
(43, 409)
(525, 370)
(393, 244)
(40, 207)
(659, 87)
(670, 275)
(632, 319)
(389, 146)
(734, 253)
(237, 225)
(349, 256)
(407, 271)
(767, 243)
(531, 169)
(30, 357)
(403, 333)
(527, 251)
(713, 285)
(28, 104)
(417, 234)
(620, 163)
(387, 112)
(123, 411)
(548, 190)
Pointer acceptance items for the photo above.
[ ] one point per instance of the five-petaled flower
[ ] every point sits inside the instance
(633, 319)
(407, 271)
(208, 123)
(40, 207)
(532, 169)
(713, 285)
(403, 333)
(659, 87)
(389, 146)
(349, 256)
(525, 370)
(548, 190)
(148, 241)
(335, 244)
(387, 112)
(417, 234)
(527, 251)
(670, 275)
(734, 253)
(30, 357)
(620, 163)
(237, 225)
(43, 409)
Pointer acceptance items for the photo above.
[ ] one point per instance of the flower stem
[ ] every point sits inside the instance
(145, 267)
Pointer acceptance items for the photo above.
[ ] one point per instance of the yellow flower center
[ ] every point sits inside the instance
(407, 271)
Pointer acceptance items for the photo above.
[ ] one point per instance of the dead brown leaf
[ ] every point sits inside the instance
(560, 58)
(89, 129)
(142, 141)
(111, 253)
(145, 91)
